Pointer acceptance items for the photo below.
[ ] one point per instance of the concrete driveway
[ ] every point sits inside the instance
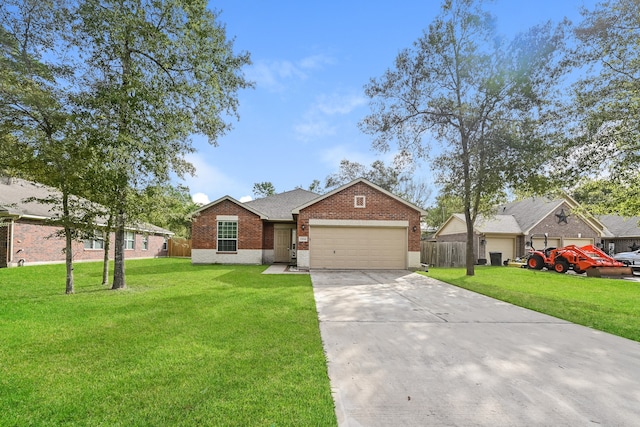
(407, 350)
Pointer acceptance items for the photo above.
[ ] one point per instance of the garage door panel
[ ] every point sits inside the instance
(358, 247)
(578, 241)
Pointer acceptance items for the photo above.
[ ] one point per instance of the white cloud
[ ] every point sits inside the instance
(334, 155)
(316, 121)
(208, 181)
(200, 198)
(274, 75)
(341, 104)
(245, 199)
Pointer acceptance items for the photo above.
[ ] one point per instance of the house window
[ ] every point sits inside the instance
(96, 242)
(145, 242)
(227, 236)
(360, 202)
(129, 240)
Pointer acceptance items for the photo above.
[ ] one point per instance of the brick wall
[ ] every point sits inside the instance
(33, 242)
(378, 206)
(204, 227)
(574, 226)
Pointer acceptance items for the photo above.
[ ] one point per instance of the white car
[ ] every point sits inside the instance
(629, 258)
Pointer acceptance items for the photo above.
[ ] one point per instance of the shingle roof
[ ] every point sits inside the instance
(14, 192)
(620, 226)
(498, 224)
(529, 212)
(279, 206)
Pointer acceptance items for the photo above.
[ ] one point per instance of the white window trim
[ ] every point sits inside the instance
(360, 202)
(127, 240)
(218, 238)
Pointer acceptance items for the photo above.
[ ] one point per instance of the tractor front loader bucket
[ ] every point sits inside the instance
(609, 272)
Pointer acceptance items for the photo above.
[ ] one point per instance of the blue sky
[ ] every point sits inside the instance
(311, 60)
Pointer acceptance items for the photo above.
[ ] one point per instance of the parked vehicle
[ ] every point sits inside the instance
(628, 258)
(589, 259)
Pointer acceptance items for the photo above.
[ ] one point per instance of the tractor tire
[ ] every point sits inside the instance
(535, 262)
(561, 266)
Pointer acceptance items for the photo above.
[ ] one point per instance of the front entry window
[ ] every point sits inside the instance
(227, 236)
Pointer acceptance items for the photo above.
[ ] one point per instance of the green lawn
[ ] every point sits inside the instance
(183, 345)
(611, 305)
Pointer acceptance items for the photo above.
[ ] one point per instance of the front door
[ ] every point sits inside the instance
(282, 244)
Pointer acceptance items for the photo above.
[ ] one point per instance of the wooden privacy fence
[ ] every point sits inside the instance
(443, 254)
(179, 247)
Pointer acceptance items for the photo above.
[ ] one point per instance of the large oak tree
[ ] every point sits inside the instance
(476, 104)
(156, 72)
(604, 113)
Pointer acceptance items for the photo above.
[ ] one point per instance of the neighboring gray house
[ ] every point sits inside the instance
(624, 233)
(514, 224)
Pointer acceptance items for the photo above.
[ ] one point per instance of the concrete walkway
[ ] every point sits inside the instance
(407, 350)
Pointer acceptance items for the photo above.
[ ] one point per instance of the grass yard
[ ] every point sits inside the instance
(183, 345)
(611, 305)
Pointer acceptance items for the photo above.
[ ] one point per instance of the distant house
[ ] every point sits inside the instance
(25, 234)
(514, 225)
(624, 233)
(356, 226)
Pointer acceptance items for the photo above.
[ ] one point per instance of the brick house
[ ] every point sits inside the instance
(509, 231)
(26, 236)
(358, 225)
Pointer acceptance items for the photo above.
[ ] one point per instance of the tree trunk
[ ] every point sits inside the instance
(118, 259)
(68, 249)
(69, 261)
(470, 258)
(107, 246)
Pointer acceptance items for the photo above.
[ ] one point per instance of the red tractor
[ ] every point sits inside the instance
(589, 259)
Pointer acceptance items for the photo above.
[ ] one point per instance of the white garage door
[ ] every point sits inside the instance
(577, 241)
(358, 247)
(538, 243)
(505, 246)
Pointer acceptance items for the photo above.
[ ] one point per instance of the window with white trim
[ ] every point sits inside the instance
(97, 242)
(227, 236)
(360, 202)
(129, 240)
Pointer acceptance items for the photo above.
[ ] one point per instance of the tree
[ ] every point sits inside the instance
(484, 99)
(39, 139)
(445, 206)
(605, 110)
(609, 197)
(397, 179)
(153, 74)
(168, 206)
(263, 189)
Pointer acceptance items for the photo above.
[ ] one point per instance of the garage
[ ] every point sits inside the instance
(379, 248)
(504, 245)
(577, 241)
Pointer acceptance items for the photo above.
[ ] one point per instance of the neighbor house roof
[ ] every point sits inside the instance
(620, 226)
(14, 192)
(19, 198)
(505, 224)
(521, 216)
(529, 212)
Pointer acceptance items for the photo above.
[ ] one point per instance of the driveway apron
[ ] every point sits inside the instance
(408, 350)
